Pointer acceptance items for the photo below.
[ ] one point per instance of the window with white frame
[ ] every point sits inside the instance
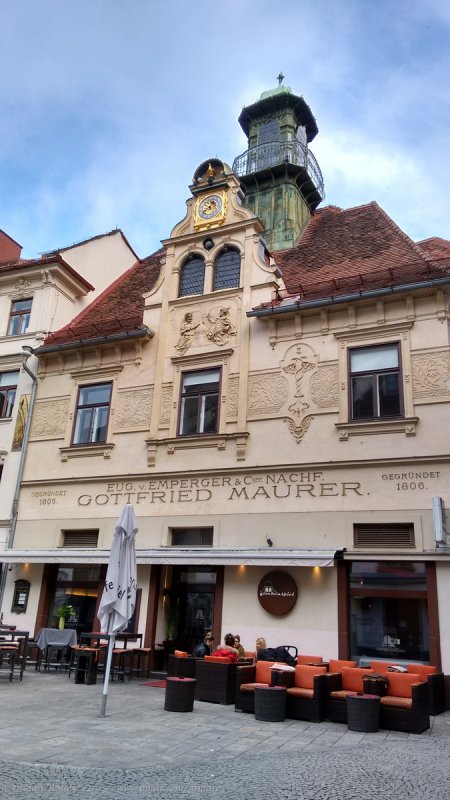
(92, 413)
(19, 317)
(375, 384)
(199, 402)
(8, 389)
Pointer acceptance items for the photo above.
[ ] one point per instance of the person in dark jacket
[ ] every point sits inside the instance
(204, 648)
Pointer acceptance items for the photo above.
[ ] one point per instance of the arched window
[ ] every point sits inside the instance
(227, 269)
(192, 276)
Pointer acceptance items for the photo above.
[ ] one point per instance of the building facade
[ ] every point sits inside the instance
(37, 296)
(275, 418)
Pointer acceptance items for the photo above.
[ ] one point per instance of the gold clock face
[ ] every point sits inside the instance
(210, 210)
(210, 206)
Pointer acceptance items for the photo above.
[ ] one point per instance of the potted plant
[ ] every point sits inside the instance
(64, 612)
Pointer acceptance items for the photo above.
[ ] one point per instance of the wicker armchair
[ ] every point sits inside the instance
(181, 666)
(247, 679)
(216, 680)
(435, 681)
(405, 706)
(339, 685)
(307, 698)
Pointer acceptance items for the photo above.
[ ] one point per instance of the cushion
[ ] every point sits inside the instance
(304, 675)
(339, 694)
(217, 659)
(399, 684)
(297, 691)
(263, 671)
(336, 664)
(380, 667)
(352, 678)
(249, 653)
(424, 670)
(180, 654)
(250, 687)
(396, 702)
(309, 659)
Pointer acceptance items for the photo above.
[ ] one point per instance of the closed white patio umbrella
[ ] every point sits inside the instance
(119, 594)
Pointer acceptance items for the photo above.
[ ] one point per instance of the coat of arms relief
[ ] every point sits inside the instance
(196, 328)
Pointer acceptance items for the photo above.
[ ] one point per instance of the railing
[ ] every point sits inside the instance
(270, 155)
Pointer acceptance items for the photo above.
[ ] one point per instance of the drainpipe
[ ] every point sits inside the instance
(27, 352)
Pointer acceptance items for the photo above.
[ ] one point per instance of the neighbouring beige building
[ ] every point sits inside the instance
(277, 419)
(38, 296)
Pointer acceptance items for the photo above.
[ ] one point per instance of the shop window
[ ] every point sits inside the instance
(87, 538)
(227, 269)
(375, 382)
(192, 276)
(20, 596)
(19, 317)
(8, 388)
(92, 412)
(199, 402)
(192, 537)
(389, 611)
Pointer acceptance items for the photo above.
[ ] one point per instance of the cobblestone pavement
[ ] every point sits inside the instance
(54, 744)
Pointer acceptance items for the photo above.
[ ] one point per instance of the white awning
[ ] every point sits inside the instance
(258, 556)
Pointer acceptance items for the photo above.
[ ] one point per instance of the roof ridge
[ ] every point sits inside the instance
(407, 239)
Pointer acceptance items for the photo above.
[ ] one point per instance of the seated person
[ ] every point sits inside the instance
(204, 648)
(260, 645)
(238, 646)
(227, 650)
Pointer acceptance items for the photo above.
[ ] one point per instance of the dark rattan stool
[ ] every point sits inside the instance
(363, 712)
(270, 703)
(180, 694)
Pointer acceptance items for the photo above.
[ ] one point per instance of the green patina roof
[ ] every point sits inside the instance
(277, 90)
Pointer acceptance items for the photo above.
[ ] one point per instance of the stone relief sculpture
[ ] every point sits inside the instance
(267, 394)
(298, 364)
(431, 375)
(220, 328)
(217, 329)
(232, 397)
(50, 418)
(134, 409)
(187, 330)
(324, 387)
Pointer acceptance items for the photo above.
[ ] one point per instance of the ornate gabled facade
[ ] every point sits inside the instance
(271, 417)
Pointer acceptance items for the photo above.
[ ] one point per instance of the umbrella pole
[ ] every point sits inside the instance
(107, 673)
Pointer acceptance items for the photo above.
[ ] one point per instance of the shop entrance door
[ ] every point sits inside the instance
(194, 590)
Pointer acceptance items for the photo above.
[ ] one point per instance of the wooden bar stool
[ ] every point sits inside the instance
(140, 662)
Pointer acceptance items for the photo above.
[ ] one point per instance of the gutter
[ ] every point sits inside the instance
(139, 333)
(361, 295)
(27, 352)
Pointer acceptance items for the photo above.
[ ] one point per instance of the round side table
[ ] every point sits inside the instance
(363, 712)
(179, 694)
(270, 703)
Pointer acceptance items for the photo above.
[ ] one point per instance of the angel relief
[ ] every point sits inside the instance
(217, 329)
(220, 329)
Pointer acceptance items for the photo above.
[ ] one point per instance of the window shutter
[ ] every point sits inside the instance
(385, 536)
(80, 538)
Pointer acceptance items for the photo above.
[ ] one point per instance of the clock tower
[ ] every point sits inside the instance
(281, 178)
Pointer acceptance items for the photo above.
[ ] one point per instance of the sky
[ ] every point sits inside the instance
(110, 105)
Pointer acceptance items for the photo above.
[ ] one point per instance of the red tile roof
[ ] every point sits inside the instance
(117, 309)
(9, 249)
(438, 249)
(359, 248)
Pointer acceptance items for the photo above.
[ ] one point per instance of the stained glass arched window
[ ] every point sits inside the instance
(227, 269)
(192, 276)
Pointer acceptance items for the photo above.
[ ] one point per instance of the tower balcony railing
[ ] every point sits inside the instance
(272, 154)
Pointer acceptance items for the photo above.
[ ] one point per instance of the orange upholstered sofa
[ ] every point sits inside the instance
(435, 681)
(404, 707)
(307, 698)
(340, 684)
